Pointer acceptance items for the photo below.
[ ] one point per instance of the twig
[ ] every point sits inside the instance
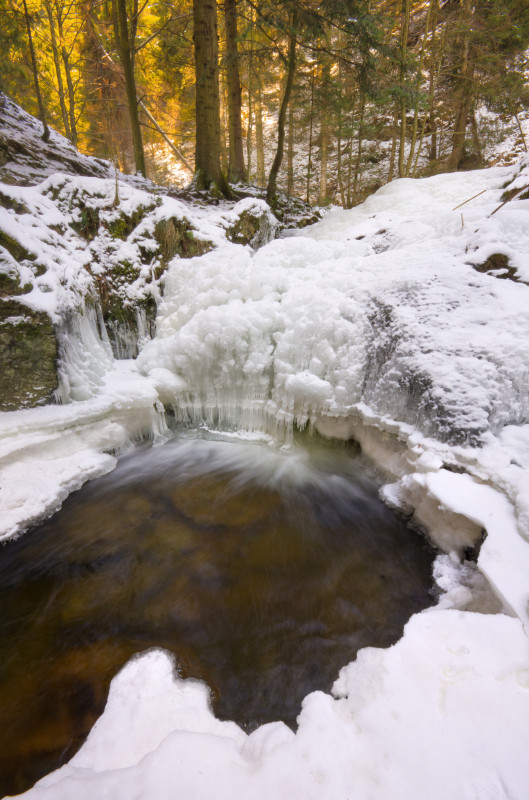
(523, 189)
(469, 199)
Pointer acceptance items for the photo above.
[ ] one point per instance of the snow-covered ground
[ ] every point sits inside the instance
(390, 323)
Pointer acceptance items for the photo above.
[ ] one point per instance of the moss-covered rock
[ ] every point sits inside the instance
(252, 227)
(175, 237)
(10, 285)
(293, 212)
(28, 354)
(87, 225)
(13, 247)
(10, 203)
(121, 226)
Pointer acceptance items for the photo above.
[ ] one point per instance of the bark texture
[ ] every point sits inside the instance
(236, 170)
(208, 174)
(464, 94)
(42, 113)
(121, 28)
(271, 189)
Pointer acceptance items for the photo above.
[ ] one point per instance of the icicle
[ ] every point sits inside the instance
(84, 356)
(126, 338)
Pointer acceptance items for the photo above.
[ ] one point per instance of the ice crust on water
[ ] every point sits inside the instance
(374, 324)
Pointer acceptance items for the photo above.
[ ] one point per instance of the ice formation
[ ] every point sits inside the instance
(383, 323)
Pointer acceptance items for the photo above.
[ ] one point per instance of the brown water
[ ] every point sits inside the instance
(263, 572)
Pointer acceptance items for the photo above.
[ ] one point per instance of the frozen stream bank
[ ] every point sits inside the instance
(262, 571)
(390, 323)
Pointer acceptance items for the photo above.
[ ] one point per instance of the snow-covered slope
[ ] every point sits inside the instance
(25, 159)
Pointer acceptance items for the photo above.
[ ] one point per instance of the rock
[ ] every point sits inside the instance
(498, 266)
(175, 237)
(28, 354)
(254, 223)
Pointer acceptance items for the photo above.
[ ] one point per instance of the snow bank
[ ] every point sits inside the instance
(443, 713)
(47, 453)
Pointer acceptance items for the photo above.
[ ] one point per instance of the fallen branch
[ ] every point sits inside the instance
(469, 199)
(166, 138)
(523, 189)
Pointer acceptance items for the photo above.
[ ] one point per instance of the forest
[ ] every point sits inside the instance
(327, 101)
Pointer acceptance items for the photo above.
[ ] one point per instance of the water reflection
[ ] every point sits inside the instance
(263, 571)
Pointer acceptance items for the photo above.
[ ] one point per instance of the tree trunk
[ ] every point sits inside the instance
(349, 171)
(324, 152)
(250, 105)
(517, 118)
(236, 171)
(433, 119)
(58, 72)
(464, 95)
(311, 127)
(360, 140)
(259, 138)
(431, 84)
(208, 174)
(339, 155)
(121, 30)
(458, 140)
(475, 136)
(324, 130)
(417, 89)
(71, 95)
(224, 127)
(391, 171)
(290, 150)
(402, 74)
(69, 83)
(271, 189)
(419, 148)
(61, 15)
(46, 130)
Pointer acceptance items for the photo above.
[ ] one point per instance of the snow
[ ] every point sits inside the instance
(443, 713)
(375, 324)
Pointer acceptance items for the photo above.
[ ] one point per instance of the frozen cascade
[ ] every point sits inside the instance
(104, 408)
(85, 355)
(305, 329)
(87, 369)
(243, 342)
(127, 338)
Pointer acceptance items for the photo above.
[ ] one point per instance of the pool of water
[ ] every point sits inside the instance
(263, 571)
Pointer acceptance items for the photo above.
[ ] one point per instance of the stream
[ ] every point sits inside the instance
(262, 570)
